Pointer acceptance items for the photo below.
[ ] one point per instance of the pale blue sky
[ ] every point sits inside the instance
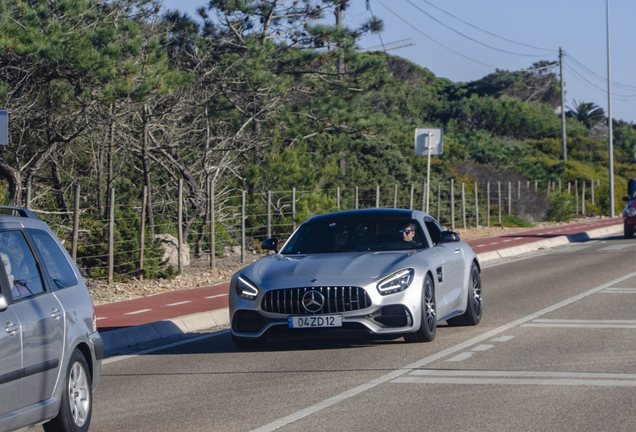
(579, 26)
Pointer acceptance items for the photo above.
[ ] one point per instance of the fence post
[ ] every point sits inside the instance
(111, 238)
(212, 220)
(576, 192)
(395, 192)
(569, 188)
(424, 195)
(559, 185)
(439, 200)
(528, 186)
(509, 199)
(338, 197)
(180, 222)
(452, 204)
(142, 232)
(548, 189)
(242, 227)
(377, 197)
(27, 204)
(499, 199)
(269, 214)
(536, 187)
(592, 191)
(488, 203)
(519, 190)
(411, 201)
(476, 207)
(294, 208)
(356, 197)
(76, 214)
(463, 207)
(583, 198)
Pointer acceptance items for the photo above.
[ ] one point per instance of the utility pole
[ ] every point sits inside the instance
(563, 137)
(340, 6)
(609, 118)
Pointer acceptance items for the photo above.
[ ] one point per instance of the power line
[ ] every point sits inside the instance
(452, 50)
(600, 77)
(596, 88)
(471, 39)
(486, 31)
(572, 68)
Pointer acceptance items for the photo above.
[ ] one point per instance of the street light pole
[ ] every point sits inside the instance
(609, 118)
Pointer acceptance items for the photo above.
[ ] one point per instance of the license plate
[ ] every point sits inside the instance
(314, 321)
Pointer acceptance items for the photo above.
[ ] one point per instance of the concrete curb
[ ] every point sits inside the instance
(549, 243)
(130, 337)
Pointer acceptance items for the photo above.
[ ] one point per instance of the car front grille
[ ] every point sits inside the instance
(336, 299)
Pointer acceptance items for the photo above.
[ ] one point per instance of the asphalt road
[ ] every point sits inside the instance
(555, 351)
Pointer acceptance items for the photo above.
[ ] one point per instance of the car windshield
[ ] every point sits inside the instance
(356, 235)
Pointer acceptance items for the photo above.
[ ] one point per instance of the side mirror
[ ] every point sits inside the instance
(3, 303)
(625, 198)
(270, 244)
(449, 237)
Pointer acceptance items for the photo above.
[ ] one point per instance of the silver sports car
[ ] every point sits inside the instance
(381, 272)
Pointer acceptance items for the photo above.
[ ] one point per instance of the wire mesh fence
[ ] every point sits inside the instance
(121, 239)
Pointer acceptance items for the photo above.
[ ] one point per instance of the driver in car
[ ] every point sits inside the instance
(18, 288)
(408, 235)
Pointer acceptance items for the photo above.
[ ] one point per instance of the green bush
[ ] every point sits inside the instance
(513, 221)
(561, 207)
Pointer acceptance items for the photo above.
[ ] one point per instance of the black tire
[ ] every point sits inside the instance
(248, 343)
(628, 233)
(428, 326)
(474, 308)
(76, 407)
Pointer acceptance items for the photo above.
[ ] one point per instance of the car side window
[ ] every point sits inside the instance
(434, 231)
(57, 267)
(20, 265)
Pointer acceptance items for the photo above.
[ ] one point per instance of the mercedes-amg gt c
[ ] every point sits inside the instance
(379, 272)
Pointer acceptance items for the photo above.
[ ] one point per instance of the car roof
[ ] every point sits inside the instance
(369, 213)
(20, 218)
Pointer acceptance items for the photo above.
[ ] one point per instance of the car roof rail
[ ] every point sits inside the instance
(21, 211)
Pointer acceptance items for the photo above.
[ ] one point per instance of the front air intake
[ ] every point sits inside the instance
(336, 299)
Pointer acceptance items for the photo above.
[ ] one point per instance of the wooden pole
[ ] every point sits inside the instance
(242, 227)
(439, 200)
(476, 207)
(294, 207)
(28, 197)
(111, 238)
(592, 191)
(424, 195)
(377, 197)
(411, 200)
(180, 223)
(338, 197)
(576, 192)
(142, 232)
(452, 204)
(499, 200)
(463, 206)
(269, 214)
(212, 220)
(509, 198)
(76, 214)
(583, 198)
(488, 204)
(356, 197)
(395, 194)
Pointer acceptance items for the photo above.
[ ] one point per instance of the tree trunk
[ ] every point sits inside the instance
(15, 181)
(58, 187)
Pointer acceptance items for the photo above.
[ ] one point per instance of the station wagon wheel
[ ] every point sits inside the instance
(428, 325)
(474, 306)
(77, 399)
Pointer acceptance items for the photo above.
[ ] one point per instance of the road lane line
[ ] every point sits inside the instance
(586, 326)
(577, 321)
(138, 312)
(517, 381)
(618, 291)
(180, 303)
(617, 247)
(460, 357)
(426, 360)
(522, 374)
(218, 295)
(100, 318)
(502, 339)
(480, 348)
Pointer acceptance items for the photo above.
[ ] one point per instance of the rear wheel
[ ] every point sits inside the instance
(246, 343)
(428, 325)
(77, 399)
(474, 308)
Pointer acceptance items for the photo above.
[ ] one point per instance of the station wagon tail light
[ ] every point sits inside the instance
(245, 289)
(396, 282)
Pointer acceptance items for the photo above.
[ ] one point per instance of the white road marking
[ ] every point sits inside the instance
(460, 357)
(619, 291)
(480, 348)
(506, 241)
(219, 295)
(517, 238)
(100, 318)
(518, 381)
(502, 339)
(180, 303)
(521, 374)
(479, 246)
(617, 247)
(599, 324)
(138, 312)
(426, 360)
(577, 321)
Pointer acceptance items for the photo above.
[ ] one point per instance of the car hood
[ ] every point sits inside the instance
(352, 268)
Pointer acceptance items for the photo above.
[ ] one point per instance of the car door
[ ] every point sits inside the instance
(10, 352)
(449, 273)
(41, 318)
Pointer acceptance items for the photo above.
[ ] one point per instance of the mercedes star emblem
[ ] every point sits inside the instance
(313, 301)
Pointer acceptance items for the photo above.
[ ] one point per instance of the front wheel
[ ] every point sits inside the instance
(629, 233)
(474, 308)
(428, 325)
(77, 399)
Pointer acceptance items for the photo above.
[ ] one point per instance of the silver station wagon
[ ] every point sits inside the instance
(50, 350)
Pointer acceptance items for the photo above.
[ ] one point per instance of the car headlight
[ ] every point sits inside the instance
(631, 212)
(245, 289)
(396, 282)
